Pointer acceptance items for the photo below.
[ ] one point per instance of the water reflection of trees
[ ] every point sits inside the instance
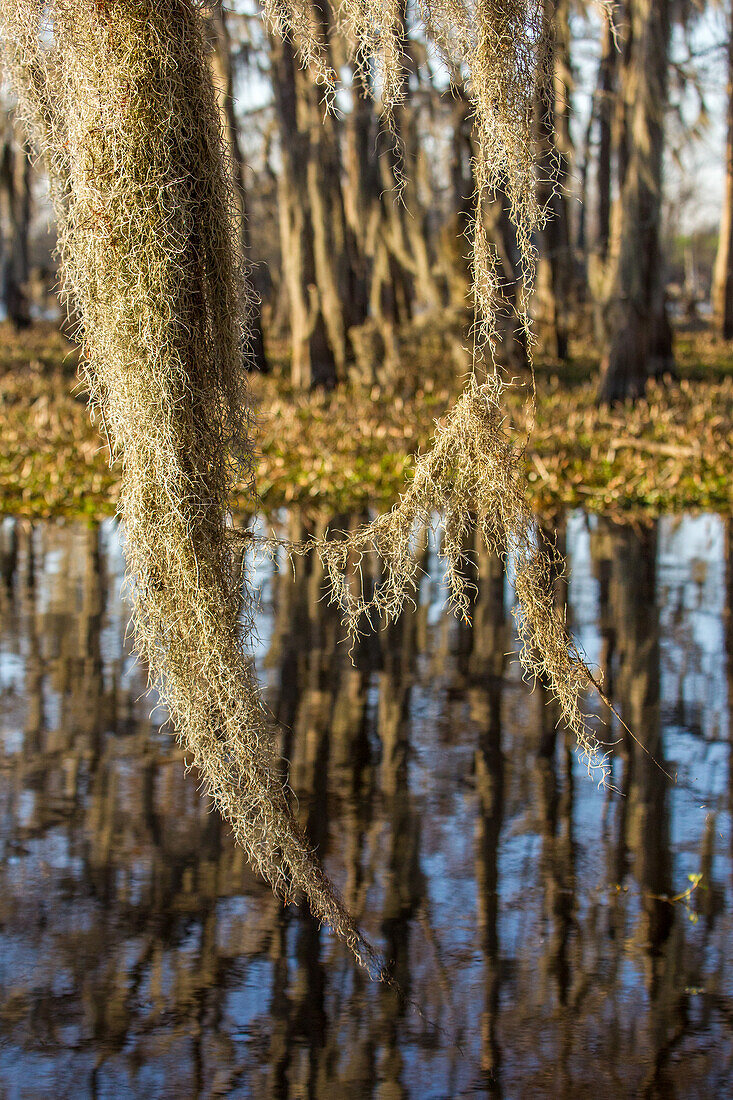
(523, 911)
(630, 615)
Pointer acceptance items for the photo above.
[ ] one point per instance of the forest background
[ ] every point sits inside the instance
(355, 234)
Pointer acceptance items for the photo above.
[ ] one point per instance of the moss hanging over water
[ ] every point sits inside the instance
(119, 95)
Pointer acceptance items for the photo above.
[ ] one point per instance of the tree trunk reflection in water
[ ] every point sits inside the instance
(643, 825)
(486, 656)
(556, 801)
(104, 787)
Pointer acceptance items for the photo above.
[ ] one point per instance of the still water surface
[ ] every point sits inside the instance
(526, 912)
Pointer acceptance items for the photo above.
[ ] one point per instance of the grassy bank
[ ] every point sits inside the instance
(344, 450)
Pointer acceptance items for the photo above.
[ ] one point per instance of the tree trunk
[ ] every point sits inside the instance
(15, 214)
(723, 273)
(408, 238)
(224, 83)
(372, 181)
(511, 344)
(313, 360)
(322, 265)
(454, 239)
(555, 277)
(398, 262)
(606, 88)
(638, 333)
(341, 285)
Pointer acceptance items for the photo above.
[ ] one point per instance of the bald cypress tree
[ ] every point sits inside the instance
(638, 336)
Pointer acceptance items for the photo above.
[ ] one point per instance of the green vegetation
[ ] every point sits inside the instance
(353, 447)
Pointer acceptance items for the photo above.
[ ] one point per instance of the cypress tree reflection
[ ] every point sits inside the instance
(486, 662)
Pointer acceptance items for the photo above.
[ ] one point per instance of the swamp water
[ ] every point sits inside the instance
(527, 913)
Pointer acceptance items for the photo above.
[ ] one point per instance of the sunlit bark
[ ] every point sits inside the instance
(313, 359)
(222, 69)
(723, 273)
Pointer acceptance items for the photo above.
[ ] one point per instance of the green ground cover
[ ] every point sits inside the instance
(353, 447)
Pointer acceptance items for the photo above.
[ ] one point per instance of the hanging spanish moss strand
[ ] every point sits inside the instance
(470, 478)
(474, 471)
(148, 241)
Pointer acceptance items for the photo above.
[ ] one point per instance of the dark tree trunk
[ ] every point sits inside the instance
(511, 345)
(389, 286)
(555, 277)
(606, 89)
(638, 333)
(723, 274)
(367, 209)
(408, 236)
(341, 285)
(15, 215)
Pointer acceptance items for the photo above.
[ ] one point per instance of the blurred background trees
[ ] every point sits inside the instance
(356, 231)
